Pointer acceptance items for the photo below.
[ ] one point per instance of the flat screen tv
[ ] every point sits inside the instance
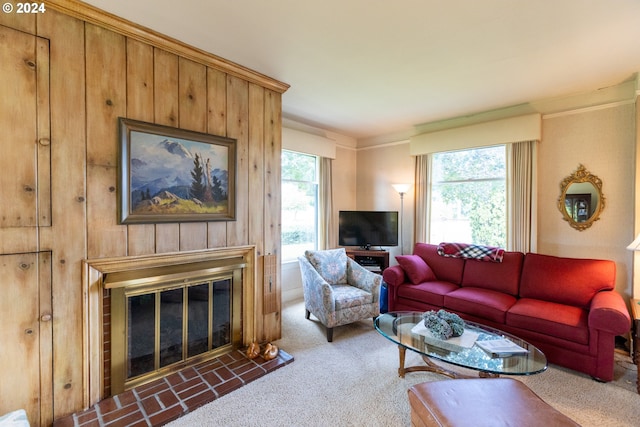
(368, 228)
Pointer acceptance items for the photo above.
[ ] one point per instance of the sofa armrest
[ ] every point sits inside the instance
(394, 276)
(608, 312)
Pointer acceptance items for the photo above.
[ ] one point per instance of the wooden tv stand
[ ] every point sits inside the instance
(375, 261)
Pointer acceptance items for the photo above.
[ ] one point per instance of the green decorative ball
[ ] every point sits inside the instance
(443, 324)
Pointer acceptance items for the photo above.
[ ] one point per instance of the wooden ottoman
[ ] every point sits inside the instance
(477, 402)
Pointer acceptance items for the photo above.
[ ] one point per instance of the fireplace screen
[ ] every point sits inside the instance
(167, 326)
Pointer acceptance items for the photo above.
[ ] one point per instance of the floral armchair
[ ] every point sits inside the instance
(337, 290)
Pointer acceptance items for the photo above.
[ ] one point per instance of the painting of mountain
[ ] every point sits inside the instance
(171, 177)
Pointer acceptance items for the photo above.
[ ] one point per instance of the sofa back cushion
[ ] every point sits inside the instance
(448, 269)
(569, 281)
(498, 276)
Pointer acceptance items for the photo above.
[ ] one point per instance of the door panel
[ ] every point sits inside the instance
(25, 335)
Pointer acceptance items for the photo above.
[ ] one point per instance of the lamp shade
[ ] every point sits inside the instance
(401, 188)
(635, 245)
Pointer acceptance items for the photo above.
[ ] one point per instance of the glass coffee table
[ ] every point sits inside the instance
(397, 327)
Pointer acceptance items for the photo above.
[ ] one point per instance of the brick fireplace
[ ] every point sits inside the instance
(125, 351)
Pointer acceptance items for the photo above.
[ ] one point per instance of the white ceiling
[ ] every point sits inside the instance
(365, 68)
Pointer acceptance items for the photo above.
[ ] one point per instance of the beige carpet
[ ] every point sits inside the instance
(353, 382)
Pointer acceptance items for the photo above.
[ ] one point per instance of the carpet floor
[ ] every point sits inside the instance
(353, 381)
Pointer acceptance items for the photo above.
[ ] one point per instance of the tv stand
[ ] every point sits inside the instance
(374, 261)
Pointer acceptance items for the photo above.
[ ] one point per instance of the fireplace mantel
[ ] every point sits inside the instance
(96, 271)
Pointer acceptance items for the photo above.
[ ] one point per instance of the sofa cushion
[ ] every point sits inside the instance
(427, 292)
(479, 302)
(447, 269)
(569, 281)
(501, 277)
(416, 269)
(549, 318)
(331, 264)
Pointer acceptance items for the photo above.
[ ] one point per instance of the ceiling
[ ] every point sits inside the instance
(369, 68)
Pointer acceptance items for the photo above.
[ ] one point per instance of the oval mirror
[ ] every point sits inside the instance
(581, 200)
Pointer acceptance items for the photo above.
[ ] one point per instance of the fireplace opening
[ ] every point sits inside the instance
(166, 318)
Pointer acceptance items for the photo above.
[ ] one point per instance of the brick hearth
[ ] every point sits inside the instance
(166, 399)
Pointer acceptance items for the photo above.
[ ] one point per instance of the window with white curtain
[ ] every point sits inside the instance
(469, 197)
(300, 174)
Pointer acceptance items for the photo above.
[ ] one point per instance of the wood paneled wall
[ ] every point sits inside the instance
(102, 68)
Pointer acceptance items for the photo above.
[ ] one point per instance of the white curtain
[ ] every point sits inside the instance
(521, 200)
(422, 197)
(327, 231)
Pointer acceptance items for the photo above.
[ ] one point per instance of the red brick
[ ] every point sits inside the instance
(167, 415)
(133, 419)
(187, 393)
(168, 398)
(225, 373)
(154, 387)
(87, 416)
(179, 388)
(212, 379)
(199, 400)
(228, 386)
(108, 417)
(151, 405)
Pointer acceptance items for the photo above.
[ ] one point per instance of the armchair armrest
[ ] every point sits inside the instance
(362, 278)
(317, 292)
(609, 312)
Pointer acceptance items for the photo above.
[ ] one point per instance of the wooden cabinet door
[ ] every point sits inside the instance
(25, 139)
(26, 336)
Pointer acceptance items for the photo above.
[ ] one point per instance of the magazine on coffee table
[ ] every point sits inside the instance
(501, 347)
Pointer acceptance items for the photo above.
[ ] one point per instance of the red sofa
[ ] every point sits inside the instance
(567, 307)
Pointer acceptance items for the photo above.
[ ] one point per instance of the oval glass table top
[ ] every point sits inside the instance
(397, 327)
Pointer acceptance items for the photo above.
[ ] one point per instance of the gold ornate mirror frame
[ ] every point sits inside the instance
(578, 209)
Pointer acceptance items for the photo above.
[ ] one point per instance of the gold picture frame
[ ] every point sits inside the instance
(168, 174)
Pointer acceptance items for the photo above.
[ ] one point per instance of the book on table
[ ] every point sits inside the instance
(501, 347)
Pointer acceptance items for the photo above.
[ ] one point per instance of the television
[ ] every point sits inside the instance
(368, 228)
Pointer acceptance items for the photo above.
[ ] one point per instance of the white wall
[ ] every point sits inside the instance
(378, 168)
(603, 140)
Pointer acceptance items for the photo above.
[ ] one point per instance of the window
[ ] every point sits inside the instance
(299, 204)
(468, 197)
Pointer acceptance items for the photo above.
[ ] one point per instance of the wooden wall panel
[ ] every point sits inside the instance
(141, 238)
(20, 22)
(18, 112)
(106, 101)
(237, 127)
(165, 89)
(216, 125)
(255, 198)
(272, 209)
(67, 237)
(20, 385)
(44, 134)
(192, 92)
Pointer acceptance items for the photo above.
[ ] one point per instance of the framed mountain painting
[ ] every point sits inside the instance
(168, 174)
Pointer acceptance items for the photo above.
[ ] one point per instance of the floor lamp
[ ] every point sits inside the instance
(402, 190)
